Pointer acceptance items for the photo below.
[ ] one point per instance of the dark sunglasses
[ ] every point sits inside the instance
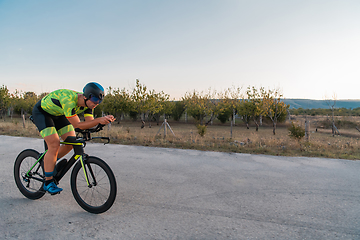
(95, 100)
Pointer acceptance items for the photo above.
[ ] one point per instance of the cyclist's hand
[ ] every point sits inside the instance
(111, 118)
(106, 119)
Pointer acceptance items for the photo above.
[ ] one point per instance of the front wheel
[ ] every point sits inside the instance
(29, 174)
(99, 193)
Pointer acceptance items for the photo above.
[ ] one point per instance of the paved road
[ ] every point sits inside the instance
(186, 194)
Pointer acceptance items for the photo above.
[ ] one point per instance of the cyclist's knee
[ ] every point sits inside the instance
(54, 147)
(52, 142)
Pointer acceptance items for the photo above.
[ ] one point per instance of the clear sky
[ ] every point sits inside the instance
(307, 48)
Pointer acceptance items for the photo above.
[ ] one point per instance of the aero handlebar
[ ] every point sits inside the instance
(86, 133)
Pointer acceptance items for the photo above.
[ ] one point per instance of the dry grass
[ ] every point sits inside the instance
(217, 138)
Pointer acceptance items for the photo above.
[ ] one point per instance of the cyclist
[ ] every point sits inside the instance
(56, 115)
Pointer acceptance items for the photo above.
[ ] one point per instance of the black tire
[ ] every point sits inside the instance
(101, 195)
(30, 187)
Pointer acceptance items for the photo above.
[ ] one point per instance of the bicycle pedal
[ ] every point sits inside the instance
(52, 194)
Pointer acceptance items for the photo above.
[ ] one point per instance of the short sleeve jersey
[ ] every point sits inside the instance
(64, 102)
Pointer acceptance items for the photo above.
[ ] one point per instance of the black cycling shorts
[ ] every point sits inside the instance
(48, 124)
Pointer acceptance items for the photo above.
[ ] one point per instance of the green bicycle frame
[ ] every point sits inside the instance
(78, 155)
(83, 167)
(27, 174)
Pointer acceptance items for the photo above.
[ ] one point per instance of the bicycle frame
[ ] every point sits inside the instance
(79, 154)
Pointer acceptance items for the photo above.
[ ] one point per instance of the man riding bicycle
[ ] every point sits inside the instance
(57, 115)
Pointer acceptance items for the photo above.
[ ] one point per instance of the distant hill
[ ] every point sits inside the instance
(309, 103)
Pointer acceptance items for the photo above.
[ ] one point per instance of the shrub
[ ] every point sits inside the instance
(178, 110)
(296, 132)
(224, 115)
(201, 129)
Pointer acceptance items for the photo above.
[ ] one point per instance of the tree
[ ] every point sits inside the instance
(177, 110)
(30, 99)
(225, 114)
(274, 109)
(168, 109)
(224, 107)
(157, 105)
(246, 110)
(4, 100)
(117, 102)
(147, 103)
(227, 107)
(23, 102)
(252, 108)
(200, 106)
(229, 100)
(138, 98)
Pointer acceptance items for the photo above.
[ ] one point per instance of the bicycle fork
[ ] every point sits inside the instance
(81, 159)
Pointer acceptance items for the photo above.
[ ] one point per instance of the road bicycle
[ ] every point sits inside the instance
(92, 181)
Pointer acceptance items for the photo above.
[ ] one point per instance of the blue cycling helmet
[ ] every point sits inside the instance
(94, 92)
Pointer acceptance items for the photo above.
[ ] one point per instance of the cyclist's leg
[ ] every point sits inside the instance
(65, 149)
(46, 126)
(64, 129)
(53, 143)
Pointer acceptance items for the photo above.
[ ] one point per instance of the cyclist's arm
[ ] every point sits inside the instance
(90, 121)
(89, 118)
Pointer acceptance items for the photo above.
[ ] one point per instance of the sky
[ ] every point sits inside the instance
(307, 49)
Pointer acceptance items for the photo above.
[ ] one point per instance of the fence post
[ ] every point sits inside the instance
(234, 116)
(23, 118)
(231, 126)
(307, 129)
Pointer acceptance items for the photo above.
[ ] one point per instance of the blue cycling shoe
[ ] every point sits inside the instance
(52, 188)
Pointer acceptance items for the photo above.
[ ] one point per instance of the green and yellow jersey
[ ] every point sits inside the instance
(64, 102)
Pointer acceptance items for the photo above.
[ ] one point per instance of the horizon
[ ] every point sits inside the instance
(283, 98)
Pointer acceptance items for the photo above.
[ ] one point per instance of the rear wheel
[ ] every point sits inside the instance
(30, 183)
(99, 195)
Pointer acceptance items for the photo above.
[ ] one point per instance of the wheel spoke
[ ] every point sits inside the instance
(100, 195)
(29, 183)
